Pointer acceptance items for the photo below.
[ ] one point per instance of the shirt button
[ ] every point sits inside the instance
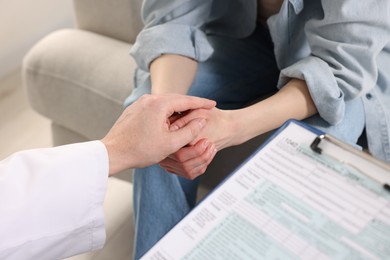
(368, 96)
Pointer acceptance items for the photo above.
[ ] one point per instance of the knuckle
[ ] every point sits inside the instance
(151, 100)
(144, 97)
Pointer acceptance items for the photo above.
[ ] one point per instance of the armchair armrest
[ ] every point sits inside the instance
(118, 19)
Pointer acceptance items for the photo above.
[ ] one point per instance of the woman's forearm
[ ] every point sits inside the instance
(172, 74)
(233, 127)
(292, 101)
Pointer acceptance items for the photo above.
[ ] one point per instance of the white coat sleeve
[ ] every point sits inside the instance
(51, 201)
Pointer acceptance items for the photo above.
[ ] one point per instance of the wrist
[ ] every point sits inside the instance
(237, 127)
(246, 125)
(117, 161)
(112, 161)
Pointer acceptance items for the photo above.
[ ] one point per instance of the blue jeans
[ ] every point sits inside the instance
(239, 72)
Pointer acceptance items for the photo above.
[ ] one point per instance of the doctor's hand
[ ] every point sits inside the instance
(192, 160)
(143, 134)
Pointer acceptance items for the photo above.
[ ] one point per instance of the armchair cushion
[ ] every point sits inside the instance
(79, 79)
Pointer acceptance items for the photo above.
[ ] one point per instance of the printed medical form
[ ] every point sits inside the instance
(289, 202)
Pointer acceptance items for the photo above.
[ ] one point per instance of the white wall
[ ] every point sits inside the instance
(24, 22)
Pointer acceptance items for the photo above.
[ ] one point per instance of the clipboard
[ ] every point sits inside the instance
(302, 195)
(357, 158)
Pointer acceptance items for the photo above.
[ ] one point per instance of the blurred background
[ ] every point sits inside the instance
(22, 24)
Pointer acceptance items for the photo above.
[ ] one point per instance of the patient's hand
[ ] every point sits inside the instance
(192, 160)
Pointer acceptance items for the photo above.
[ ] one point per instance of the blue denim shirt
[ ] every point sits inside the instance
(341, 48)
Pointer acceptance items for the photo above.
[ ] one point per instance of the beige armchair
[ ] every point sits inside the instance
(80, 77)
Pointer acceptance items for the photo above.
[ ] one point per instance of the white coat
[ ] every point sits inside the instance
(51, 201)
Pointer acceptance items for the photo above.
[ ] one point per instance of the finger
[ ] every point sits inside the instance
(189, 173)
(190, 152)
(195, 173)
(174, 117)
(203, 158)
(169, 169)
(186, 134)
(191, 168)
(185, 119)
(177, 115)
(180, 103)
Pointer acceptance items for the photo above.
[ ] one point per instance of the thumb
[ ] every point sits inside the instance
(189, 132)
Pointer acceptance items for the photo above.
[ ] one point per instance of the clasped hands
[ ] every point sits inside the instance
(182, 133)
(193, 159)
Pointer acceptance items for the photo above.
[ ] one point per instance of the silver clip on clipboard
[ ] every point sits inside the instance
(362, 161)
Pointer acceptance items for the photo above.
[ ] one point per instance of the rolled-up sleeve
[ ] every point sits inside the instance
(344, 46)
(172, 27)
